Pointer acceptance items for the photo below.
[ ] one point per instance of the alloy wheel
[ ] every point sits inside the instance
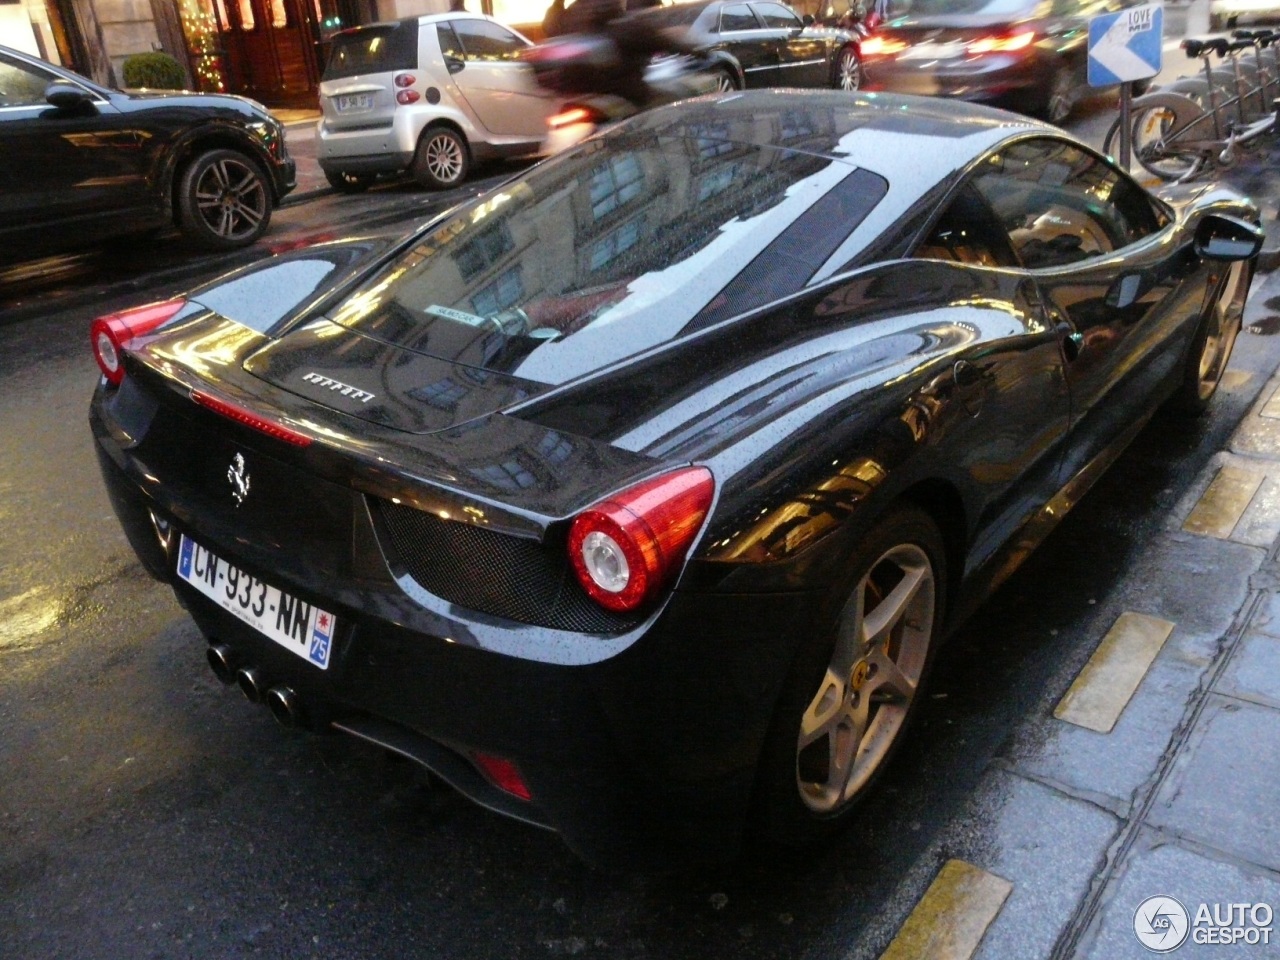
(443, 157)
(231, 198)
(1224, 320)
(724, 82)
(881, 648)
(849, 71)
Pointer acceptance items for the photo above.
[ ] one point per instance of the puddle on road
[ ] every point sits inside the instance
(26, 616)
(1267, 326)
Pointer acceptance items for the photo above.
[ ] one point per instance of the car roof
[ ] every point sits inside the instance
(916, 144)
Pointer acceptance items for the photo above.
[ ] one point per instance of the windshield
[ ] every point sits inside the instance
(617, 247)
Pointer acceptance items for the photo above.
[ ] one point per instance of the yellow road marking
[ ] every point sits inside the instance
(1113, 673)
(1224, 503)
(951, 917)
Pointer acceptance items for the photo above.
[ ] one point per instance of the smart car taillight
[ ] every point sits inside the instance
(405, 79)
(1004, 43)
(626, 548)
(111, 333)
(408, 96)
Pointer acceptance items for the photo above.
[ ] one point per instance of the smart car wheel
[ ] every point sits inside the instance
(224, 200)
(848, 70)
(851, 692)
(1211, 348)
(442, 159)
(345, 182)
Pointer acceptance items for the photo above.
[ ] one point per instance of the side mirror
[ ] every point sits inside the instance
(807, 19)
(1220, 237)
(67, 96)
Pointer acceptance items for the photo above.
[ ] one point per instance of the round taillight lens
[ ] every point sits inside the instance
(626, 548)
(405, 80)
(104, 349)
(110, 334)
(408, 96)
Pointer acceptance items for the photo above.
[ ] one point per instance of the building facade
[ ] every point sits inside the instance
(271, 50)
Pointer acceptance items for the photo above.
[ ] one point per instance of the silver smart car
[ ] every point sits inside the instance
(427, 94)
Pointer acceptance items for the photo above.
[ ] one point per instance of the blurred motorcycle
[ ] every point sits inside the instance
(601, 87)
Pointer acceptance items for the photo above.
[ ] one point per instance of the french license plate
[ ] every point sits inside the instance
(295, 624)
(352, 102)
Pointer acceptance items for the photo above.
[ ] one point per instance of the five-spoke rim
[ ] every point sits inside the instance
(231, 198)
(850, 71)
(881, 645)
(1223, 319)
(444, 157)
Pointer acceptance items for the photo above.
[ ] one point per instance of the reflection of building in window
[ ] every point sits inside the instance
(443, 394)
(554, 448)
(617, 182)
(606, 250)
(794, 124)
(509, 475)
(484, 250)
(712, 139)
(718, 180)
(506, 291)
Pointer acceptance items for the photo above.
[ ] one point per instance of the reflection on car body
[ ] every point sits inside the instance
(685, 449)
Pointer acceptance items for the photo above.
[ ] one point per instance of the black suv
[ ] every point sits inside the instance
(82, 162)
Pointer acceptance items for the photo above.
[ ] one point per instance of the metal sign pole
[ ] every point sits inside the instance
(1126, 130)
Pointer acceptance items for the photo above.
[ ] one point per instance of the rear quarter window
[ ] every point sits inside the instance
(376, 49)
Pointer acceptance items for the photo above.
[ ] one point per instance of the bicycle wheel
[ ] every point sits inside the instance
(1149, 146)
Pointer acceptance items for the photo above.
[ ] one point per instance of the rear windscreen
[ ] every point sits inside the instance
(613, 249)
(375, 49)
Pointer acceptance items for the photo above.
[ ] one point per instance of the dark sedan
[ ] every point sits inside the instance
(83, 163)
(1028, 54)
(763, 43)
(634, 497)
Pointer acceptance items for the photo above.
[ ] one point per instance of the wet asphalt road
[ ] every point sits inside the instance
(147, 811)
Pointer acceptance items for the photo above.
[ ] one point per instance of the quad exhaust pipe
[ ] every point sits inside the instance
(281, 700)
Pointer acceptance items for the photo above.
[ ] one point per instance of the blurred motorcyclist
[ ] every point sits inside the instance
(636, 40)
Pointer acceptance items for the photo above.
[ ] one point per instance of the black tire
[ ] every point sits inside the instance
(848, 71)
(345, 182)
(1210, 349)
(442, 159)
(224, 200)
(801, 796)
(726, 81)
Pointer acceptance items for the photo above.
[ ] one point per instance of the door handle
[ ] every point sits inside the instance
(453, 64)
(1072, 342)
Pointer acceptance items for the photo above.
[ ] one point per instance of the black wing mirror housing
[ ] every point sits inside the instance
(1220, 237)
(67, 96)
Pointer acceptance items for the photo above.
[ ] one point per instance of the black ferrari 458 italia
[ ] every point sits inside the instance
(634, 497)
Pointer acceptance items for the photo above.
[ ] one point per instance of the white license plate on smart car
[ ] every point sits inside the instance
(353, 102)
(296, 625)
(933, 51)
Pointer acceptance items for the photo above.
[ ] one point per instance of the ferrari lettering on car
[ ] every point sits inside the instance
(683, 460)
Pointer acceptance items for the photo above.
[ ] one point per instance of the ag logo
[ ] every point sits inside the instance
(239, 478)
(1161, 924)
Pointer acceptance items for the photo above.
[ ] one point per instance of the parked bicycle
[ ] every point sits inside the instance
(1198, 124)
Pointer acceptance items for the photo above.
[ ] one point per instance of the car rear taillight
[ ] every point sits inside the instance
(1003, 43)
(111, 333)
(881, 46)
(574, 115)
(405, 79)
(625, 549)
(408, 96)
(503, 774)
(250, 419)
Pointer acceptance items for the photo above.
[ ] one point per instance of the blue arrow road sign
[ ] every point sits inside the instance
(1126, 45)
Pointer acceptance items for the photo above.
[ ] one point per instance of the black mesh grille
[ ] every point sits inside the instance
(494, 573)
